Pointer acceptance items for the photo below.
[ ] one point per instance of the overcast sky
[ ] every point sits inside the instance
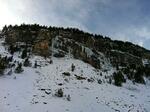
(127, 20)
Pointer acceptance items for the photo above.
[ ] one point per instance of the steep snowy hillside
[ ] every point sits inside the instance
(67, 85)
(99, 51)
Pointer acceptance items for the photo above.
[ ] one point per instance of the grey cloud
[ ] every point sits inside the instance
(119, 19)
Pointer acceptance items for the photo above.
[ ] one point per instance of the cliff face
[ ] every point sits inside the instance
(92, 49)
(51, 81)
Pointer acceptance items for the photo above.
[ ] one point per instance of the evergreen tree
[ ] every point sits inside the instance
(118, 78)
(72, 67)
(27, 63)
(5, 29)
(35, 64)
(19, 68)
(138, 77)
(24, 54)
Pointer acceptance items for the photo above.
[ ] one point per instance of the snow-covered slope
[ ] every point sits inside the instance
(84, 90)
(34, 90)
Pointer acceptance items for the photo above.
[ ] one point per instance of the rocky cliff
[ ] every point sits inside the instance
(96, 50)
